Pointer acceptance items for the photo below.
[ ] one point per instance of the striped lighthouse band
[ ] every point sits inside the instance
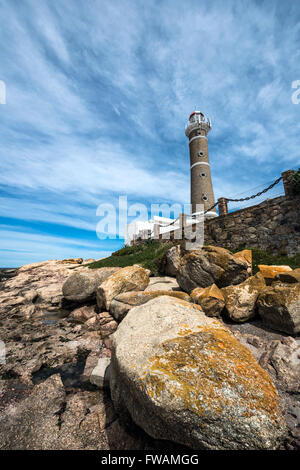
(199, 163)
(197, 137)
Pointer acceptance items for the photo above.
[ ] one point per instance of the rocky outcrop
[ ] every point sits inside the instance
(183, 376)
(282, 360)
(210, 299)
(37, 288)
(33, 424)
(53, 348)
(125, 280)
(121, 304)
(50, 419)
(82, 314)
(279, 307)
(102, 322)
(82, 286)
(240, 300)
(211, 265)
(279, 355)
(171, 261)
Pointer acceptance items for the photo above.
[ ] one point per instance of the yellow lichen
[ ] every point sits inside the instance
(196, 368)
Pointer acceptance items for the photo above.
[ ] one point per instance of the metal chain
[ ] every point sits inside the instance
(168, 225)
(256, 195)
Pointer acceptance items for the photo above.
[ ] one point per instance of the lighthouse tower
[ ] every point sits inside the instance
(196, 130)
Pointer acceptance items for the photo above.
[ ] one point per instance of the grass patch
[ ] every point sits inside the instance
(148, 255)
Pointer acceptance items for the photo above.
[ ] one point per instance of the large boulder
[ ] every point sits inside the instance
(279, 307)
(211, 265)
(82, 286)
(183, 376)
(240, 300)
(171, 261)
(210, 299)
(121, 304)
(125, 280)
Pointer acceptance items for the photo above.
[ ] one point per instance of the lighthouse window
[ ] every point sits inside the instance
(203, 174)
(204, 198)
(201, 154)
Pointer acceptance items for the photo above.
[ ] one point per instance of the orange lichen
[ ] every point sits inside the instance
(210, 371)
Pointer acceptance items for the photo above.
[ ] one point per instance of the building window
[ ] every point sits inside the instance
(204, 198)
(201, 154)
(203, 175)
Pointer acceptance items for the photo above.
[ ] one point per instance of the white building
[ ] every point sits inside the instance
(155, 228)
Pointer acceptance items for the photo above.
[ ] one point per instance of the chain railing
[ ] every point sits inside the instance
(257, 194)
(248, 198)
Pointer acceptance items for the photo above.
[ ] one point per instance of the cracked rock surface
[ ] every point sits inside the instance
(46, 399)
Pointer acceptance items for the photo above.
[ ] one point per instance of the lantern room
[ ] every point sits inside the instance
(197, 120)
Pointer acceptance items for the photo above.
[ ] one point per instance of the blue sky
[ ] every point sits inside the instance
(99, 92)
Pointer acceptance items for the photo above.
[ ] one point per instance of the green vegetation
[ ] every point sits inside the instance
(295, 180)
(148, 255)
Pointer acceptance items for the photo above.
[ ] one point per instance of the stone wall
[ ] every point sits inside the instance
(273, 225)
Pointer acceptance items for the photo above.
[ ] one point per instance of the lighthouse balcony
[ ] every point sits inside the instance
(201, 125)
(197, 120)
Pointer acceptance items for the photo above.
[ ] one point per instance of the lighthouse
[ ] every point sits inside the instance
(202, 192)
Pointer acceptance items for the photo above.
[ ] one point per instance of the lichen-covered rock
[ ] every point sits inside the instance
(184, 377)
(210, 299)
(240, 300)
(125, 280)
(279, 307)
(82, 285)
(121, 304)
(171, 261)
(289, 277)
(211, 265)
(270, 272)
